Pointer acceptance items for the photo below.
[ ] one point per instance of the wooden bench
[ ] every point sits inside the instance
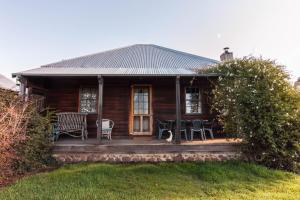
(71, 123)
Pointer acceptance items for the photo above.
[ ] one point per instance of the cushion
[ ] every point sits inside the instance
(105, 124)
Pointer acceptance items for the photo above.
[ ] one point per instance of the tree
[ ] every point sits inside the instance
(255, 101)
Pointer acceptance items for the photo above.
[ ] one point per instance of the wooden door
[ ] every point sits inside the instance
(141, 105)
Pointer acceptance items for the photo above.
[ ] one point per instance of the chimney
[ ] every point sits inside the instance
(226, 56)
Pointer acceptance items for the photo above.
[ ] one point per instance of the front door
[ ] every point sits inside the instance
(141, 117)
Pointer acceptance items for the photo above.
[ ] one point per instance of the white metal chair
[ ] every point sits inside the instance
(107, 126)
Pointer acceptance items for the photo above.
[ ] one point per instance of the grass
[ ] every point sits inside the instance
(230, 180)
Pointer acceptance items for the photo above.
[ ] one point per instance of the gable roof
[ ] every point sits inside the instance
(139, 59)
(7, 84)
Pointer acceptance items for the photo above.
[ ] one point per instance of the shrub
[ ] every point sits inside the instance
(25, 135)
(35, 151)
(256, 102)
(13, 121)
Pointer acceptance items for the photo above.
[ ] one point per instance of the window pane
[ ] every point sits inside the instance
(141, 108)
(188, 103)
(188, 90)
(188, 96)
(141, 101)
(195, 96)
(93, 106)
(194, 108)
(193, 100)
(136, 124)
(146, 109)
(88, 100)
(136, 104)
(88, 95)
(146, 122)
(139, 90)
(188, 109)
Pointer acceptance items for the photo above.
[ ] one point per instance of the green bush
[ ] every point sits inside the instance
(13, 121)
(35, 151)
(256, 102)
(25, 135)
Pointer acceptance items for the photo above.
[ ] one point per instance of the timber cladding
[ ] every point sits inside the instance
(62, 94)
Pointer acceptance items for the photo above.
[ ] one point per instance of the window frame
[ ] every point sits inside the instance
(200, 99)
(79, 98)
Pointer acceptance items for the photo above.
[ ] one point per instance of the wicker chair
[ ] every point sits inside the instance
(107, 126)
(71, 123)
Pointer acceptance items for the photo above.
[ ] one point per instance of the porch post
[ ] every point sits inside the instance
(100, 105)
(23, 85)
(178, 112)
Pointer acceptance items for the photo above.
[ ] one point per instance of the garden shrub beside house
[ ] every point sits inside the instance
(254, 100)
(25, 136)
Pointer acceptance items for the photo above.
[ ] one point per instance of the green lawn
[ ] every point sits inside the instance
(231, 180)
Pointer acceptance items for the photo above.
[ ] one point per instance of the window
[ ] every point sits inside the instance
(193, 104)
(88, 99)
(141, 100)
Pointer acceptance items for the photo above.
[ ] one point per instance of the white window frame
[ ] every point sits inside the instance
(80, 99)
(200, 99)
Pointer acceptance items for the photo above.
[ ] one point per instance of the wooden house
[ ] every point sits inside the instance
(134, 86)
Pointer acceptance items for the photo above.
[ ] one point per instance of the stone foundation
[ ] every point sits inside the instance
(132, 158)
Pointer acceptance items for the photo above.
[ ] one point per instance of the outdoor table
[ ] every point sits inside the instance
(171, 124)
(189, 123)
(206, 122)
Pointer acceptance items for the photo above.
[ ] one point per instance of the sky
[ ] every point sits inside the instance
(35, 32)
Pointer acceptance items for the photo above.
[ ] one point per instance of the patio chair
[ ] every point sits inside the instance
(55, 132)
(107, 126)
(198, 127)
(208, 126)
(71, 123)
(162, 127)
(183, 128)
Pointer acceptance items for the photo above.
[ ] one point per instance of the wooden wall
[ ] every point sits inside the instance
(62, 94)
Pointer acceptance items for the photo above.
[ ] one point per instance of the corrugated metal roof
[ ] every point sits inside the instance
(6, 83)
(140, 59)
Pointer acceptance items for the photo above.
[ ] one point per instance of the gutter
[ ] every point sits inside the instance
(115, 75)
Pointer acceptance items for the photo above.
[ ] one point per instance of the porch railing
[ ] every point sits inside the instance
(38, 102)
